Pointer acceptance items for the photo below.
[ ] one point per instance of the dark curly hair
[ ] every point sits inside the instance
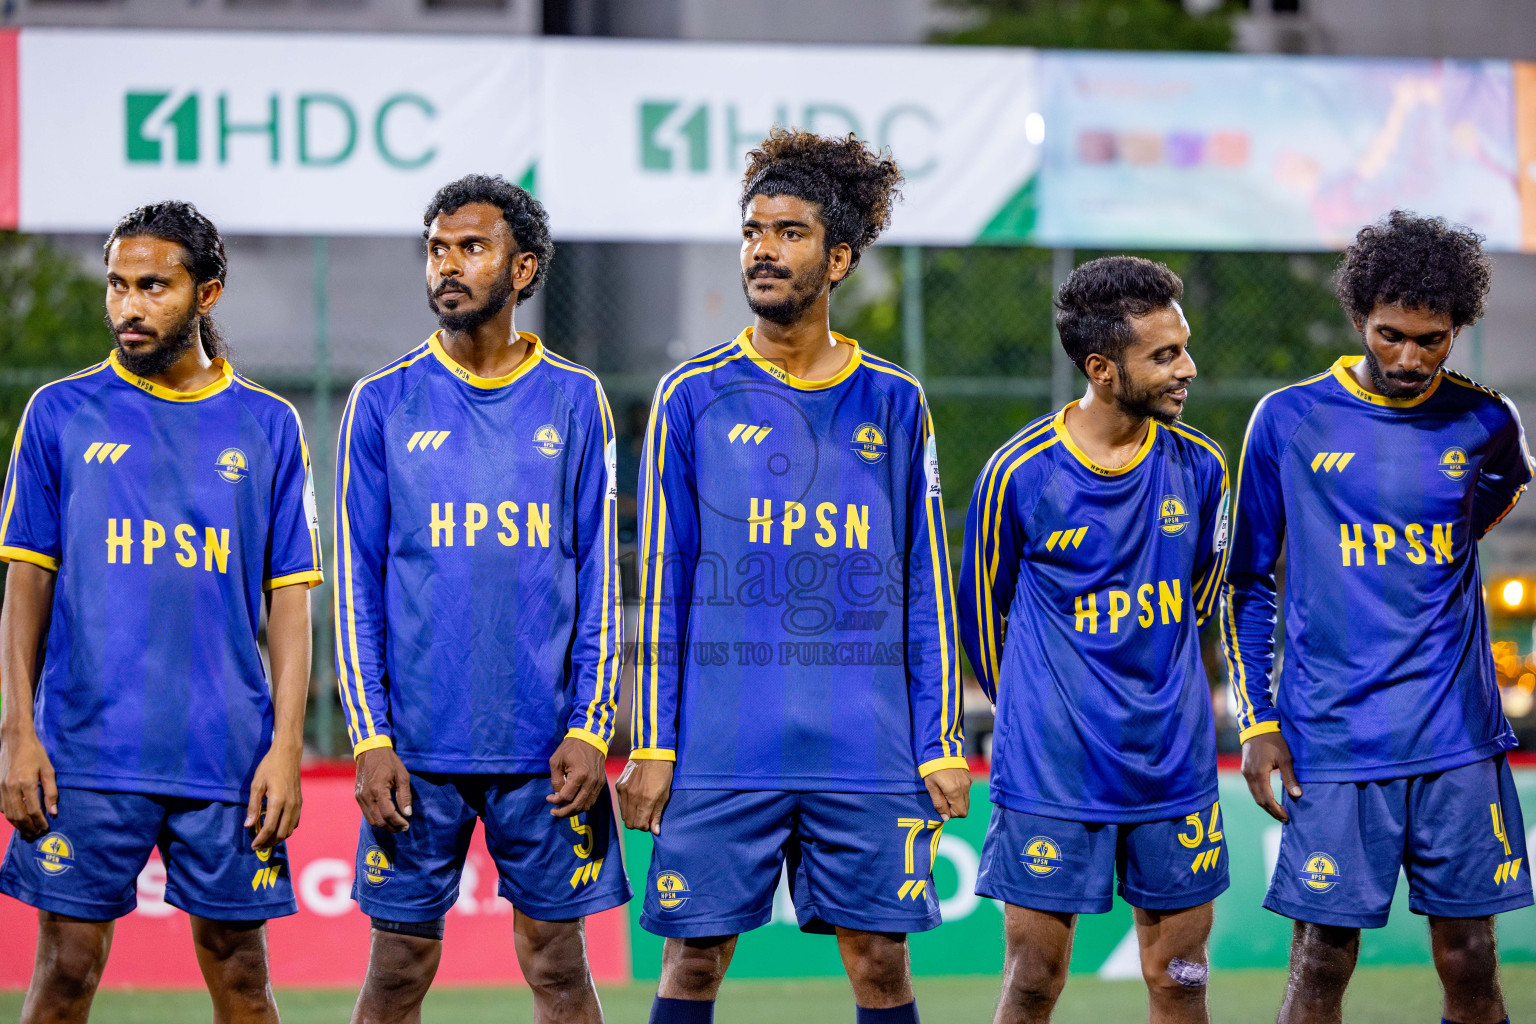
(1419, 263)
(201, 245)
(524, 214)
(854, 186)
(1094, 308)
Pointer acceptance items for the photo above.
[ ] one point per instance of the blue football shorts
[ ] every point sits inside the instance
(1070, 867)
(1458, 835)
(87, 865)
(857, 860)
(552, 869)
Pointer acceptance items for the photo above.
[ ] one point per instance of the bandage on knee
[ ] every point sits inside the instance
(1187, 974)
(418, 929)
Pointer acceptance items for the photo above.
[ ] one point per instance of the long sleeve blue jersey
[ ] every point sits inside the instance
(477, 597)
(797, 626)
(165, 514)
(1081, 593)
(1379, 504)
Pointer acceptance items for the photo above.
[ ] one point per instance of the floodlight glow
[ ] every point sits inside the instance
(1034, 129)
(1512, 593)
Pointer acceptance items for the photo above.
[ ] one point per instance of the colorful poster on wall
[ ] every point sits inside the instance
(1285, 153)
(1525, 149)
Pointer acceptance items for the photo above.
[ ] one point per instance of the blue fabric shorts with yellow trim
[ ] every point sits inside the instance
(552, 869)
(856, 860)
(87, 865)
(1458, 835)
(1070, 867)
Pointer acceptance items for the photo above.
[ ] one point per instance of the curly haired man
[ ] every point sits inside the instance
(1379, 476)
(798, 693)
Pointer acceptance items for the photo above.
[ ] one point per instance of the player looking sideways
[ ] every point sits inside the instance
(1379, 476)
(1093, 553)
(792, 456)
(153, 503)
(477, 618)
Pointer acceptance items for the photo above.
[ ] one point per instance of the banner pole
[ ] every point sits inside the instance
(320, 456)
(912, 329)
(1061, 366)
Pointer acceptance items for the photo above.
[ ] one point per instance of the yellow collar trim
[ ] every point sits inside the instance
(225, 378)
(1341, 373)
(535, 354)
(1060, 423)
(744, 340)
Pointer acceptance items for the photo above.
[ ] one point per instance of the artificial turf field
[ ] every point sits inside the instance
(1379, 995)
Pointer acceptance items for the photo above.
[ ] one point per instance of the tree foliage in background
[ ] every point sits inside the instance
(50, 319)
(1091, 25)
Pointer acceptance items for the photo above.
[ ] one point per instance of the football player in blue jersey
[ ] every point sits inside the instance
(1379, 476)
(153, 504)
(1093, 554)
(798, 693)
(478, 618)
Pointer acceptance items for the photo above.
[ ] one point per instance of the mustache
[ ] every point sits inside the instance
(452, 285)
(136, 326)
(1407, 378)
(769, 270)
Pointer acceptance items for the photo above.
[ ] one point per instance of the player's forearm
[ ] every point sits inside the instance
(288, 642)
(23, 623)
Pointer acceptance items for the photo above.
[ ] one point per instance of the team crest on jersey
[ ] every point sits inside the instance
(1042, 856)
(1454, 463)
(376, 866)
(869, 443)
(547, 441)
(54, 853)
(671, 890)
(1172, 517)
(1320, 873)
(232, 465)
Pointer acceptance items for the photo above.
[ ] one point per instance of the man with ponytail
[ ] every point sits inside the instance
(153, 503)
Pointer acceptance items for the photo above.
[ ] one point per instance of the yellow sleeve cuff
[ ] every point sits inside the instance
(311, 576)
(590, 737)
(371, 743)
(938, 764)
(11, 553)
(652, 754)
(1257, 730)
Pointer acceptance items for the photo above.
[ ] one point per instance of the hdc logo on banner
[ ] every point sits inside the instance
(310, 129)
(704, 137)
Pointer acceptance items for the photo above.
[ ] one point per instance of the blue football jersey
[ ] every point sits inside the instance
(477, 600)
(1379, 504)
(165, 515)
(1082, 590)
(797, 626)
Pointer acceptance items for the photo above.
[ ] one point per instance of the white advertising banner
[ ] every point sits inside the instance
(648, 141)
(268, 133)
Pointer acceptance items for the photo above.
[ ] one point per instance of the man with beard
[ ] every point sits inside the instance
(153, 502)
(1092, 555)
(478, 623)
(764, 730)
(1386, 725)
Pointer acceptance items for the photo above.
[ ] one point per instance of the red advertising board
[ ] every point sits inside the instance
(326, 942)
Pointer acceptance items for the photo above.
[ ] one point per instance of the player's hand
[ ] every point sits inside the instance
(950, 791)
(644, 789)
(384, 789)
(1262, 756)
(576, 777)
(275, 784)
(28, 792)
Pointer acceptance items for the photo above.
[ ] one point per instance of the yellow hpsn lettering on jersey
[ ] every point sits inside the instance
(1169, 609)
(120, 542)
(443, 523)
(1352, 543)
(762, 518)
